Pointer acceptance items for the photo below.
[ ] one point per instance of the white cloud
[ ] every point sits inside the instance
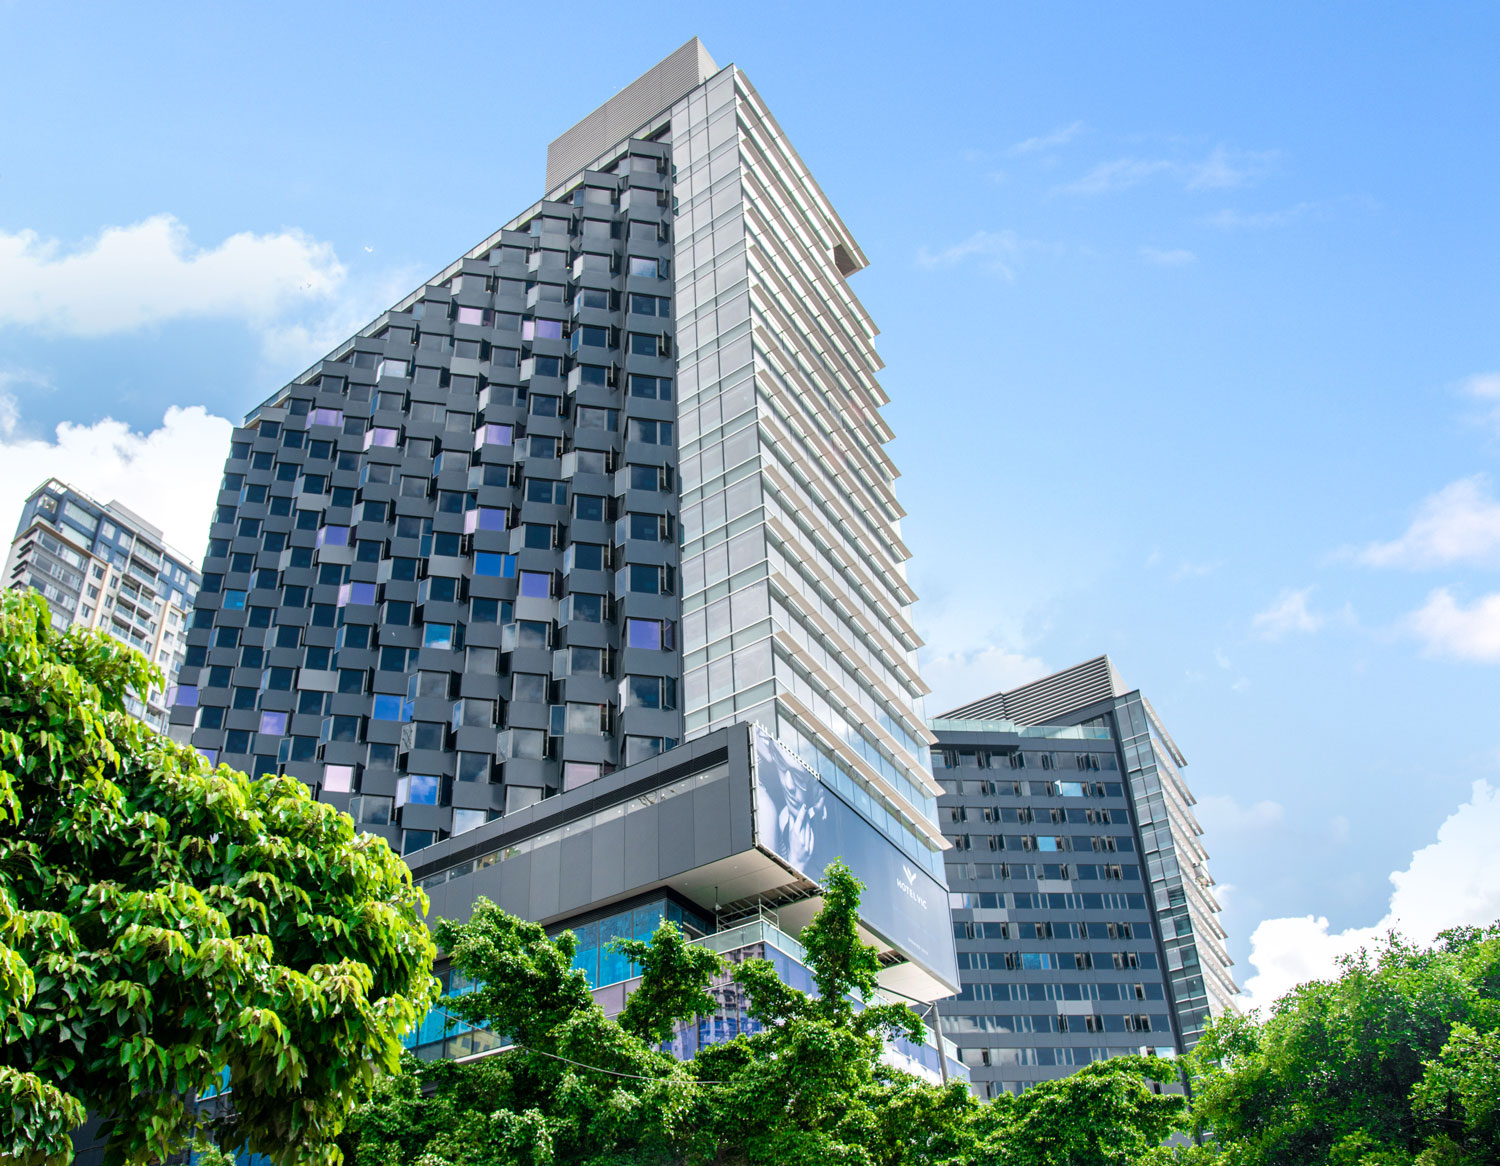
(1289, 613)
(168, 476)
(1221, 814)
(150, 272)
(1485, 386)
(1233, 220)
(1458, 524)
(999, 250)
(1178, 257)
(1058, 137)
(959, 676)
(1448, 628)
(1221, 169)
(1454, 881)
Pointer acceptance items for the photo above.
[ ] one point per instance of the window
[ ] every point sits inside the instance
(494, 566)
(650, 305)
(648, 432)
(440, 635)
(651, 388)
(490, 434)
(544, 405)
(591, 418)
(418, 790)
(472, 713)
(648, 268)
(389, 707)
(641, 748)
(646, 344)
(338, 779)
(654, 478)
(539, 536)
(466, 820)
(651, 527)
(649, 692)
(583, 608)
(530, 687)
(584, 557)
(588, 508)
(526, 633)
(326, 417)
(652, 634)
(474, 767)
(541, 330)
(542, 447)
(471, 316)
(590, 336)
(361, 593)
(546, 491)
(536, 584)
(650, 580)
(382, 437)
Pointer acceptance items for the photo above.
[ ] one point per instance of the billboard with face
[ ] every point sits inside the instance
(808, 825)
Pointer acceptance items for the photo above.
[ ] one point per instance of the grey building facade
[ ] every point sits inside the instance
(577, 575)
(100, 565)
(1083, 910)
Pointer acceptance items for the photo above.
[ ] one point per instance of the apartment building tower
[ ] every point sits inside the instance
(101, 565)
(578, 574)
(1083, 909)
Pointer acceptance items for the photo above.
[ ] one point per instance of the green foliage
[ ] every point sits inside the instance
(161, 923)
(1395, 1061)
(1105, 1114)
(674, 979)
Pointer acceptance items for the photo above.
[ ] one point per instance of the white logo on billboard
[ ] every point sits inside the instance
(908, 888)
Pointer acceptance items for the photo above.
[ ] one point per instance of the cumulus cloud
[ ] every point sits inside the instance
(1175, 257)
(1458, 524)
(1288, 614)
(1221, 169)
(150, 272)
(168, 476)
(1452, 882)
(1447, 628)
(1058, 137)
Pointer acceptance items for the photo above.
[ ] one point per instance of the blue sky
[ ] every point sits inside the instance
(1190, 317)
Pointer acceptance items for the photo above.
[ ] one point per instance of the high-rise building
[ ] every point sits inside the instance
(1083, 910)
(578, 573)
(101, 565)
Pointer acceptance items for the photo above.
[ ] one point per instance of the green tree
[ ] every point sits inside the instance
(1389, 1063)
(811, 1086)
(163, 925)
(1109, 1113)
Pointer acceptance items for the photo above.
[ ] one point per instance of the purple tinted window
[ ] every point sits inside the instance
(380, 436)
(471, 315)
(493, 435)
(643, 633)
(537, 584)
(338, 779)
(356, 593)
(549, 330)
(491, 518)
(333, 536)
(273, 723)
(327, 417)
(184, 695)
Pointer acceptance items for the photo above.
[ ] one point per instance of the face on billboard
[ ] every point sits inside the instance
(802, 821)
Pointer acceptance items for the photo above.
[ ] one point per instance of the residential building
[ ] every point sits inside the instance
(578, 575)
(101, 565)
(1083, 910)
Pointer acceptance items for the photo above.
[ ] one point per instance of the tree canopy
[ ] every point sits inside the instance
(165, 926)
(811, 1086)
(1396, 1061)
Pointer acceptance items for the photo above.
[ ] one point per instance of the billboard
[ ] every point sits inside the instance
(808, 825)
